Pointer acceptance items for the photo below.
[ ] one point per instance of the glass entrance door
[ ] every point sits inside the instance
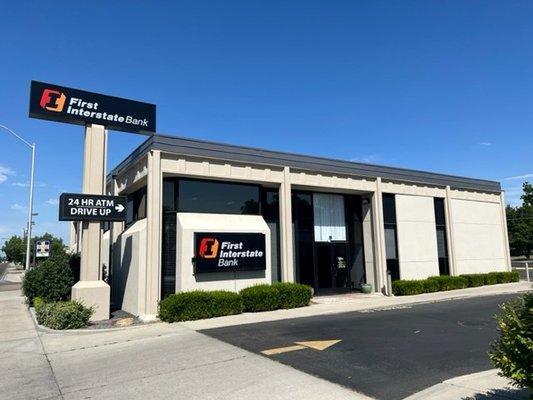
(332, 266)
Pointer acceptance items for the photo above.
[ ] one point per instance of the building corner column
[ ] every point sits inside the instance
(286, 228)
(507, 251)
(153, 236)
(379, 238)
(450, 234)
(91, 289)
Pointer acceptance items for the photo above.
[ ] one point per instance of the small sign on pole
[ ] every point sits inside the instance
(91, 207)
(42, 248)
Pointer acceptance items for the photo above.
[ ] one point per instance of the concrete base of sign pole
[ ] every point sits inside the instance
(94, 294)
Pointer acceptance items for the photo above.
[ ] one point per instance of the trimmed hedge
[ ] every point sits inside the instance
(261, 298)
(445, 282)
(62, 314)
(293, 295)
(189, 306)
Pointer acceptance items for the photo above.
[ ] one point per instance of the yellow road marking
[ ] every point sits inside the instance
(279, 350)
(313, 344)
(319, 344)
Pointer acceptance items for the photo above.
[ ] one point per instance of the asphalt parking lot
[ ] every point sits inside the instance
(387, 354)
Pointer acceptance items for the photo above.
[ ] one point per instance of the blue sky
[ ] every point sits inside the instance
(443, 86)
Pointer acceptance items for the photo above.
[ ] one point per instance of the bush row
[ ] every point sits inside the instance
(188, 306)
(62, 314)
(444, 282)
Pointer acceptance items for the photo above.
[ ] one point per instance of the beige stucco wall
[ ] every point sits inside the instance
(478, 236)
(188, 223)
(417, 238)
(129, 261)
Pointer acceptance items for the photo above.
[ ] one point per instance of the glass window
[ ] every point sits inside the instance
(440, 218)
(390, 242)
(329, 218)
(217, 197)
(441, 242)
(136, 207)
(389, 209)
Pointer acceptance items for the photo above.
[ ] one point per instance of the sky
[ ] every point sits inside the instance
(443, 86)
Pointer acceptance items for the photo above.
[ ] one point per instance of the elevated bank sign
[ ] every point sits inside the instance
(91, 207)
(223, 252)
(63, 104)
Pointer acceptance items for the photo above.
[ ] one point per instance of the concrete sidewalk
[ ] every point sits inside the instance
(325, 305)
(155, 361)
(484, 385)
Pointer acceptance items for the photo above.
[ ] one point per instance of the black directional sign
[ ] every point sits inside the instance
(90, 207)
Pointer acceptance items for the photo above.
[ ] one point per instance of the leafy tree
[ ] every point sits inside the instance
(520, 224)
(15, 249)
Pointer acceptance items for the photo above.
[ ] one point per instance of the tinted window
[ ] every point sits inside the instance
(389, 209)
(440, 218)
(136, 207)
(218, 197)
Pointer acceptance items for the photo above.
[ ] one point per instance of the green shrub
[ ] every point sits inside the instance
(261, 298)
(63, 314)
(512, 352)
(293, 295)
(490, 279)
(188, 306)
(446, 282)
(474, 280)
(37, 302)
(408, 287)
(505, 277)
(51, 280)
(430, 286)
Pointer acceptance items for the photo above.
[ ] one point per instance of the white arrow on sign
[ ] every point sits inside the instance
(119, 207)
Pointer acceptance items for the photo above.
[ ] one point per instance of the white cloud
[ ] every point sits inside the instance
(517, 177)
(52, 202)
(17, 207)
(5, 172)
(485, 144)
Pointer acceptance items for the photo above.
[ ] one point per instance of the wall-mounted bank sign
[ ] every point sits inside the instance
(91, 207)
(63, 104)
(42, 248)
(223, 252)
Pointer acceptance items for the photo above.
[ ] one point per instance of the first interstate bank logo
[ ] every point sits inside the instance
(228, 253)
(54, 100)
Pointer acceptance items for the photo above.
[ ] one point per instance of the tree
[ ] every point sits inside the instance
(520, 224)
(15, 249)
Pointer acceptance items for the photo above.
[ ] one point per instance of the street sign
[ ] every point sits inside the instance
(42, 248)
(223, 252)
(91, 207)
(63, 104)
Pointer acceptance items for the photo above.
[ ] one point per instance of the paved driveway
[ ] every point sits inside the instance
(383, 354)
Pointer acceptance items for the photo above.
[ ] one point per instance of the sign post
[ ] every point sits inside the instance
(91, 289)
(97, 112)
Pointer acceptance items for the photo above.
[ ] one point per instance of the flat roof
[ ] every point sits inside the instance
(251, 155)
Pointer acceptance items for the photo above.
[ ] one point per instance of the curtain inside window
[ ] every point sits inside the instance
(330, 223)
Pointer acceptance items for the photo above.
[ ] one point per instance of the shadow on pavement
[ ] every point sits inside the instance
(500, 394)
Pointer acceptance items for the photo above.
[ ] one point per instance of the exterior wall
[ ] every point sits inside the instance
(470, 216)
(417, 238)
(478, 236)
(129, 261)
(188, 223)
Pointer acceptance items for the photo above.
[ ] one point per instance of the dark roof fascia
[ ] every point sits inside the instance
(206, 149)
